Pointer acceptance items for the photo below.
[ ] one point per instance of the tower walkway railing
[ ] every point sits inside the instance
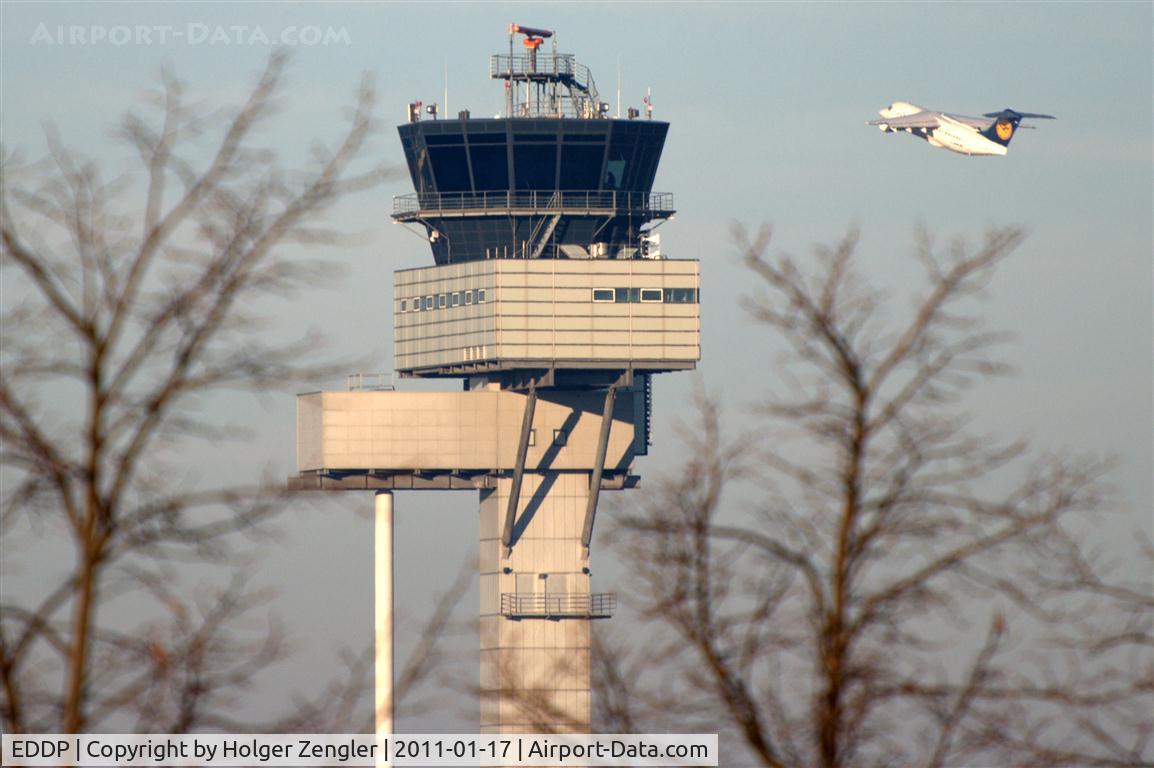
(531, 605)
(595, 202)
(359, 382)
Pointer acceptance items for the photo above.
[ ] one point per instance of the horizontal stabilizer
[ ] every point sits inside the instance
(1010, 114)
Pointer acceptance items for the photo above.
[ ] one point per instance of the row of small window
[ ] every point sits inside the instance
(646, 295)
(444, 301)
(600, 296)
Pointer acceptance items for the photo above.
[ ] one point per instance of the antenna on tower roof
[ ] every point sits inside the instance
(618, 115)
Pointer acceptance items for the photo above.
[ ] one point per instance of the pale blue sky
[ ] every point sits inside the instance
(767, 104)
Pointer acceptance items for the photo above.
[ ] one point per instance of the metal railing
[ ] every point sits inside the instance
(523, 605)
(369, 381)
(535, 200)
(561, 65)
(551, 70)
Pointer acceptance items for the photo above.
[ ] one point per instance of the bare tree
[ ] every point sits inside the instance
(129, 303)
(864, 580)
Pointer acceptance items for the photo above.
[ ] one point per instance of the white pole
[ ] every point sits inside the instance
(618, 87)
(383, 611)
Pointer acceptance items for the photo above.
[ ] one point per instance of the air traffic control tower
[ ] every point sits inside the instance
(551, 299)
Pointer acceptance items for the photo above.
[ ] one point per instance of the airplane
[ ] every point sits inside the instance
(987, 135)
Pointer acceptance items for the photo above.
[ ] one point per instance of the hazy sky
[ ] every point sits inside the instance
(767, 104)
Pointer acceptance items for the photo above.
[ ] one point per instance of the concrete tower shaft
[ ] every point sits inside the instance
(535, 606)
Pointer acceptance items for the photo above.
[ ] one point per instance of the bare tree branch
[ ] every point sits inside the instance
(137, 300)
(823, 590)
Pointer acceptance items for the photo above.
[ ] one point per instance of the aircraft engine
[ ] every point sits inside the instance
(900, 109)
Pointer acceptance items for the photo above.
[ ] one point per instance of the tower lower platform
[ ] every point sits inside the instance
(538, 461)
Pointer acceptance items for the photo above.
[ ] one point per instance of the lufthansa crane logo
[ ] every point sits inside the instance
(1005, 129)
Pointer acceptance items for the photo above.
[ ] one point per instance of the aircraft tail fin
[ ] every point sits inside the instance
(1002, 130)
(1006, 124)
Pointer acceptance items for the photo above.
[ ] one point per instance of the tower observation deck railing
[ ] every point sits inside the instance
(558, 605)
(594, 202)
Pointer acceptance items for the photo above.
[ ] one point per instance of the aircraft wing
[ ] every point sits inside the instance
(974, 122)
(919, 120)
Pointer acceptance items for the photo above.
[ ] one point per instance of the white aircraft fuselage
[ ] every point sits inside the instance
(989, 135)
(950, 134)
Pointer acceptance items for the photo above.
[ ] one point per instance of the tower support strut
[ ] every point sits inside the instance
(598, 467)
(519, 469)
